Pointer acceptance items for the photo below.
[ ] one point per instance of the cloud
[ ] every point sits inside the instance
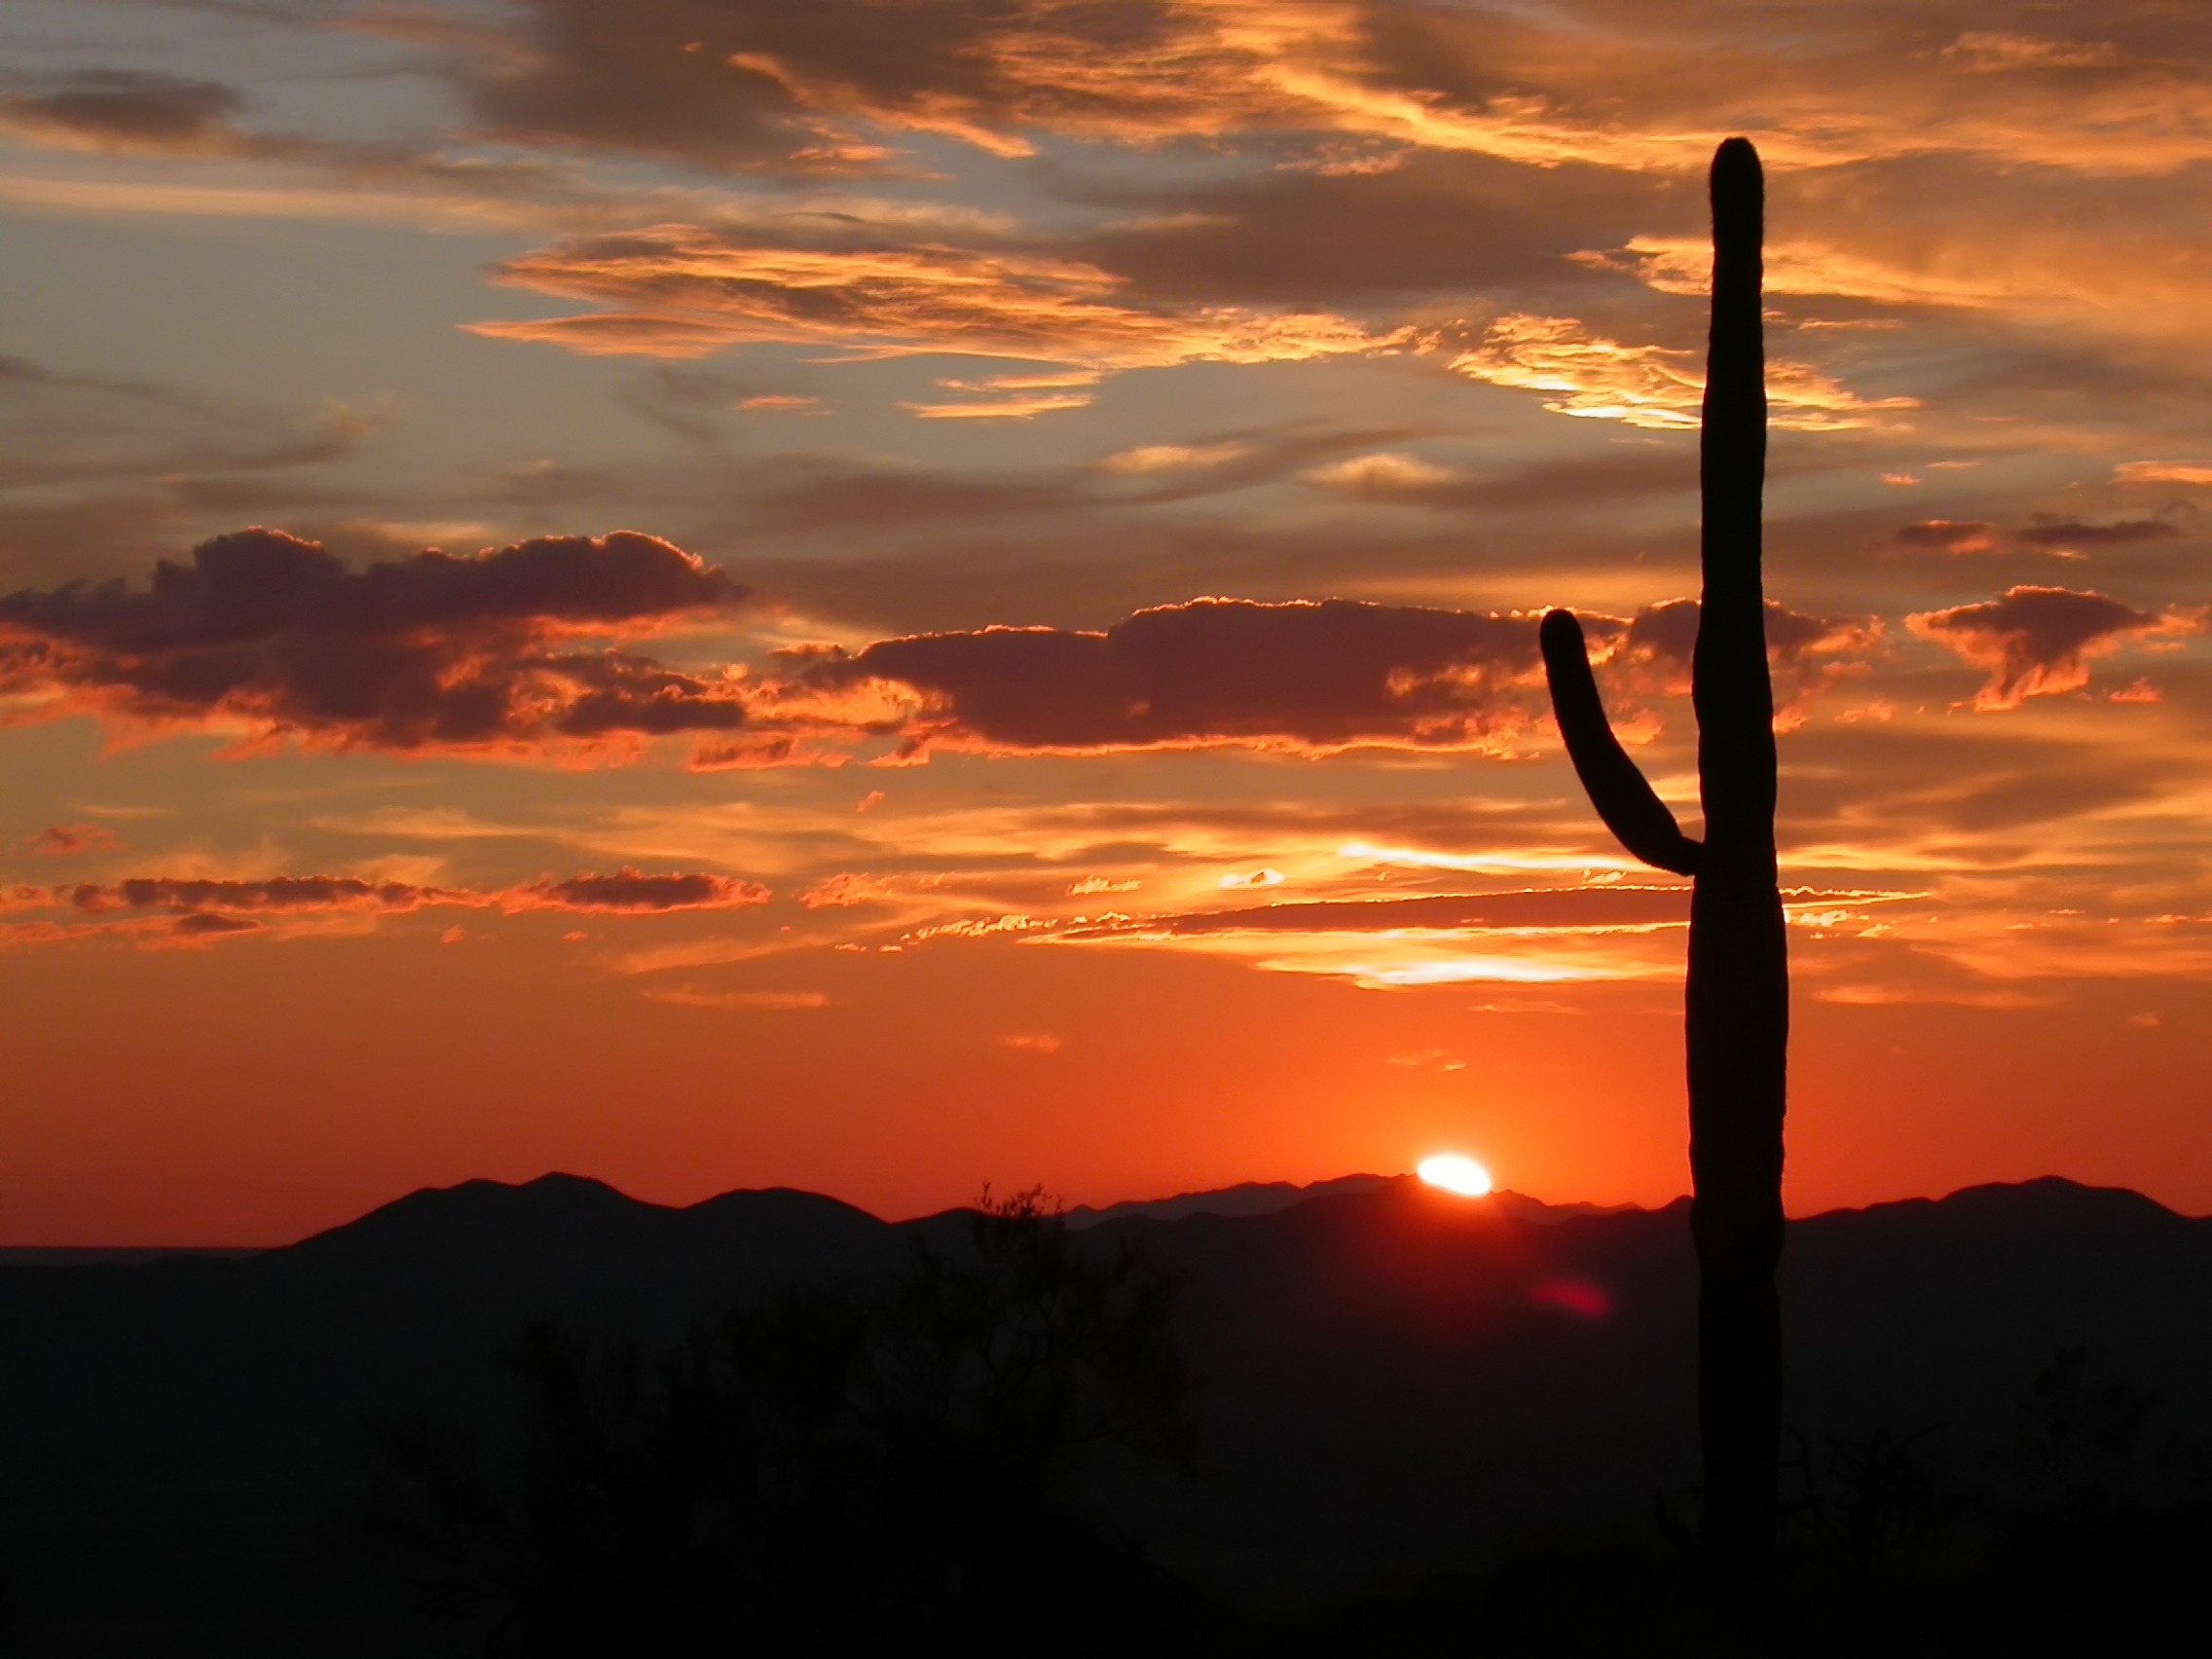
(1920, 996)
(2039, 641)
(1305, 676)
(63, 840)
(2162, 473)
(273, 636)
(1653, 650)
(1252, 878)
(205, 925)
(1994, 52)
(1382, 477)
(1584, 374)
(760, 82)
(1174, 458)
(125, 109)
(631, 892)
(1949, 535)
(1573, 908)
(1346, 86)
(137, 112)
(1683, 264)
(773, 1002)
(158, 907)
(1005, 409)
(681, 290)
(1534, 936)
(2047, 530)
(284, 893)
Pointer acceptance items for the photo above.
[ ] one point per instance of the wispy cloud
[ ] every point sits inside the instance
(1584, 374)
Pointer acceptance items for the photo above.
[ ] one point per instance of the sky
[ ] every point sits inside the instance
(886, 595)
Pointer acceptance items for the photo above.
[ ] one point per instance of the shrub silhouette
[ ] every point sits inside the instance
(1737, 999)
(824, 1469)
(2078, 1541)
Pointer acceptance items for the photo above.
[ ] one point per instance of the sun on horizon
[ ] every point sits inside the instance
(1455, 1172)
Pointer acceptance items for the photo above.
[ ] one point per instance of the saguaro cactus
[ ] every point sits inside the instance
(1736, 1000)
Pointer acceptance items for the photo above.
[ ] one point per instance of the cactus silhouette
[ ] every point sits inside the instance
(1737, 998)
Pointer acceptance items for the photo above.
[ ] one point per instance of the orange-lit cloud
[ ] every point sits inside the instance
(1683, 264)
(1949, 535)
(771, 1002)
(835, 83)
(2162, 473)
(1383, 476)
(1002, 409)
(2040, 641)
(686, 290)
(1174, 458)
(1584, 374)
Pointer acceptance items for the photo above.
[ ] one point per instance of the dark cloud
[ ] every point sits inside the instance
(1436, 224)
(1949, 535)
(2036, 640)
(125, 109)
(1303, 675)
(63, 840)
(278, 893)
(206, 906)
(1805, 652)
(432, 651)
(632, 892)
(2047, 530)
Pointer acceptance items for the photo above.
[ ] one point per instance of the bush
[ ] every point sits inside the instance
(824, 1467)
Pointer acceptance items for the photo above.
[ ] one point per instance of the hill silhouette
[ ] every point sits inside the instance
(1391, 1380)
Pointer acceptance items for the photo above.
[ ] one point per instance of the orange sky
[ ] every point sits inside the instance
(883, 596)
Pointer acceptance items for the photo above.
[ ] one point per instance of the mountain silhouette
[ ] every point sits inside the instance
(1393, 1381)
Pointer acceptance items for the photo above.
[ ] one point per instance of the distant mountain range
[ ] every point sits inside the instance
(1393, 1380)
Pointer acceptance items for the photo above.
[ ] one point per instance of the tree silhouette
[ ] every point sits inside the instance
(1737, 998)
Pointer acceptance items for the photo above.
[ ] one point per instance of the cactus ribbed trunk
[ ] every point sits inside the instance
(1737, 1002)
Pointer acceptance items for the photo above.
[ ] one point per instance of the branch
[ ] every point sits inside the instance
(1636, 815)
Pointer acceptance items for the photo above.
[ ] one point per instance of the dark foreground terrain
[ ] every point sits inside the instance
(1420, 1423)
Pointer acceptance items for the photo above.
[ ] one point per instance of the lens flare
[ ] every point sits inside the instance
(1455, 1173)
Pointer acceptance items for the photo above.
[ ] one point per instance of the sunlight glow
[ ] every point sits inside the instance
(1455, 1173)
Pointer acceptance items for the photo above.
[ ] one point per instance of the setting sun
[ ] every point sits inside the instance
(1455, 1172)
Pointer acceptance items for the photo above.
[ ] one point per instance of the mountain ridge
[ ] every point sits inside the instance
(1393, 1380)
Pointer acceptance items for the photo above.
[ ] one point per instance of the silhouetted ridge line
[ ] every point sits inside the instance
(1394, 1380)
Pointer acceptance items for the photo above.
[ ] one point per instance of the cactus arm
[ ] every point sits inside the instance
(1627, 802)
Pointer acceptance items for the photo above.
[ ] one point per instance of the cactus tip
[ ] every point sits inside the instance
(1739, 194)
(1736, 157)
